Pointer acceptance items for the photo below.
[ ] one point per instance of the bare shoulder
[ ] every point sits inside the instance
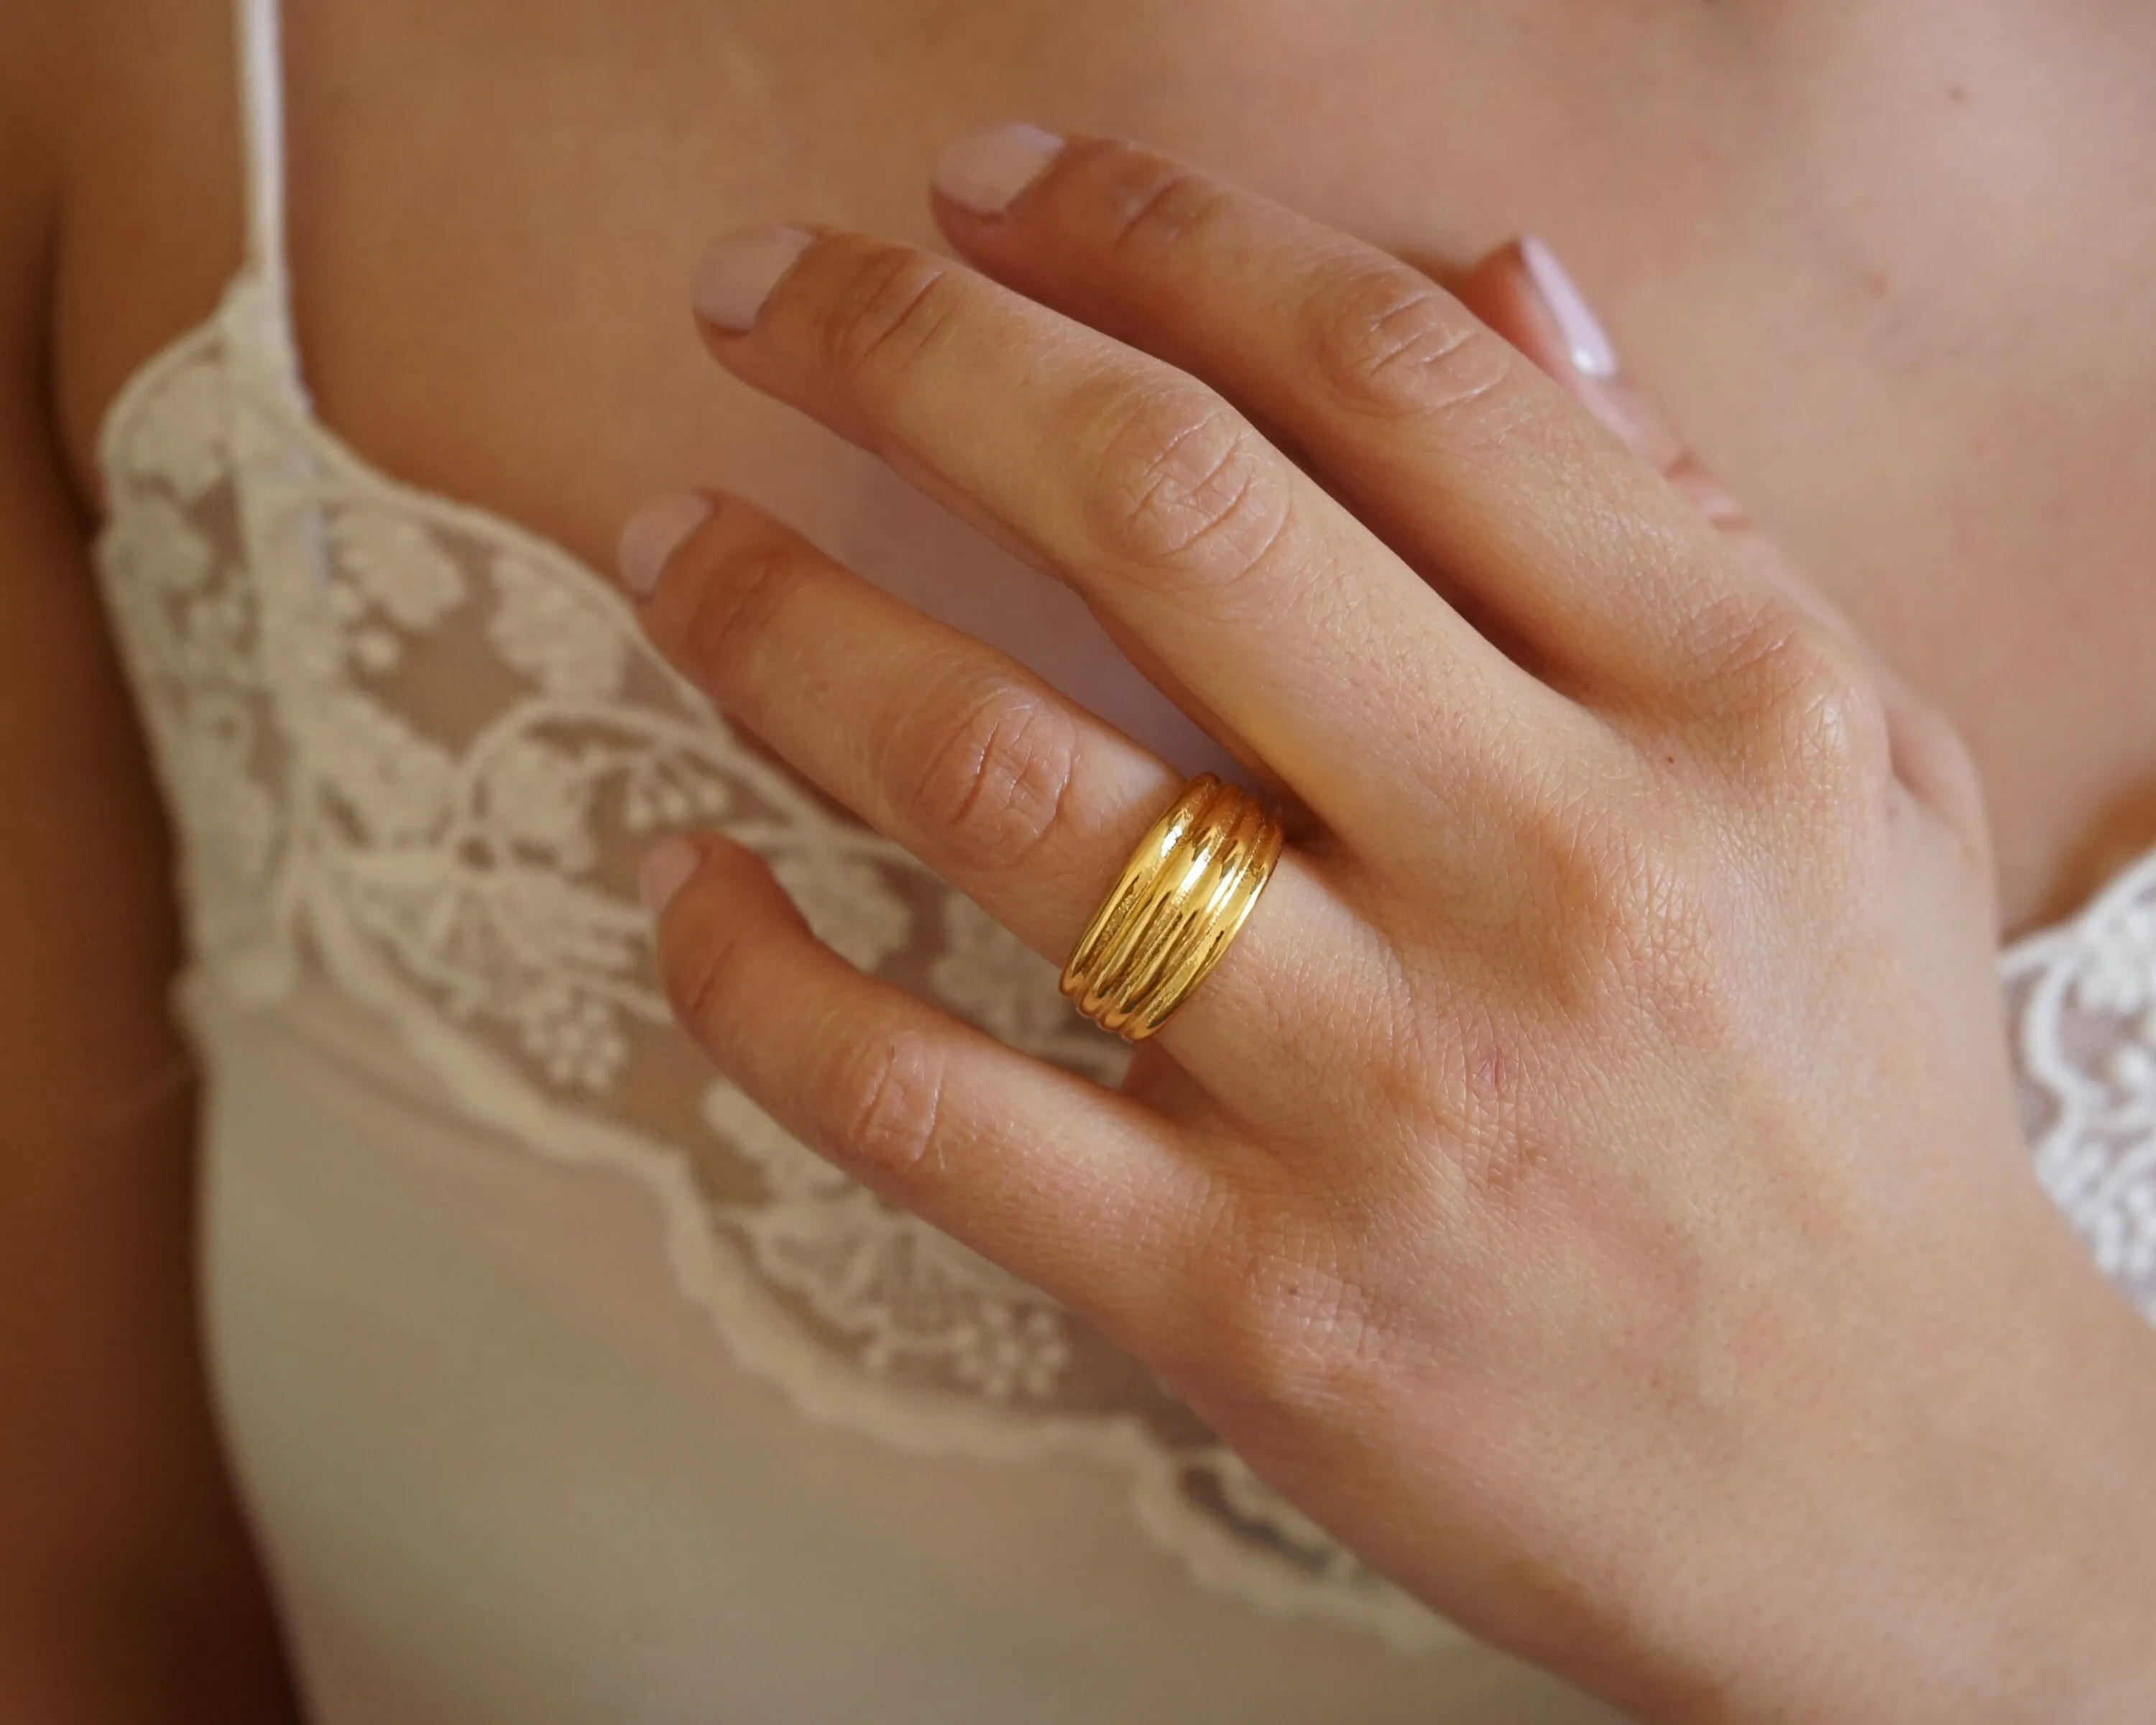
(133, 104)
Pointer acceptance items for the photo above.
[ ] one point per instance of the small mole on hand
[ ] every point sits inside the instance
(1958, 94)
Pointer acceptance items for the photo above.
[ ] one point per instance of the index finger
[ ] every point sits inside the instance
(1439, 434)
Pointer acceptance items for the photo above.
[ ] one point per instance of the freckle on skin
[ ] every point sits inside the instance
(1958, 94)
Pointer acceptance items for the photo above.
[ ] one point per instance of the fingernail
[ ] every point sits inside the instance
(653, 534)
(985, 171)
(1584, 337)
(667, 867)
(738, 274)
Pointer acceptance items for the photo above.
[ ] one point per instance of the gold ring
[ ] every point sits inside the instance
(1182, 898)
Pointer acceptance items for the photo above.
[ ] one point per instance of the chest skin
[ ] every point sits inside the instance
(1886, 266)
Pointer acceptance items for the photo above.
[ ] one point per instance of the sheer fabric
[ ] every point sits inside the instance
(414, 754)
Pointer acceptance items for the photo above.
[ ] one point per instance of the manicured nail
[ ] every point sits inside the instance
(653, 533)
(667, 867)
(1584, 337)
(985, 171)
(738, 274)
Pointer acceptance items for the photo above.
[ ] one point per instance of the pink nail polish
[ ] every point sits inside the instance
(1585, 338)
(653, 533)
(667, 867)
(738, 274)
(985, 171)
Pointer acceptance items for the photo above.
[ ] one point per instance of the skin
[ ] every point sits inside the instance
(1546, 1193)
(1880, 264)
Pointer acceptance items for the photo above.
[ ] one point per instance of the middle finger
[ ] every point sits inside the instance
(1324, 654)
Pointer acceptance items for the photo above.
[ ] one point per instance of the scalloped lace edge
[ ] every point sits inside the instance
(821, 1385)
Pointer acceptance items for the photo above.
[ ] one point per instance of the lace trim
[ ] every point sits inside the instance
(2083, 1003)
(418, 748)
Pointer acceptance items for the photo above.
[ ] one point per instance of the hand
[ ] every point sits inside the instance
(1589, 1186)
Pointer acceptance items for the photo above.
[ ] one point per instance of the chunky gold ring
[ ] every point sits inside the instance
(1182, 898)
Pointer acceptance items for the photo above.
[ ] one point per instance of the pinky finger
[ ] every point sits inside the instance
(1523, 293)
(1083, 1193)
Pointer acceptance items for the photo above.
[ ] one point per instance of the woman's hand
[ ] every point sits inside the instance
(1589, 1186)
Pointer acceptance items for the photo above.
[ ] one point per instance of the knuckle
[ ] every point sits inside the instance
(1186, 487)
(734, 601)
(1933, 758)
(1279, 1323)
(1385, 341)
(1663, 954)
(700, 981)
(890, 1112)
(884, 310)
(1153, 206)
(1628, 922)
(995, 771)
(1819, 724)
(1928, 733)
(1461, 1073)
(1322, 1340)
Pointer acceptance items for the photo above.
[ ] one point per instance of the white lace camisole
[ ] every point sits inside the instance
(561, 1386)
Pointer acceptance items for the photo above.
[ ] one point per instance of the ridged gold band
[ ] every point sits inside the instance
(1183, 897)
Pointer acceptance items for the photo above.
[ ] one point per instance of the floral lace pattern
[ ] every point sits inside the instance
(2083, 1003)
(416, 752)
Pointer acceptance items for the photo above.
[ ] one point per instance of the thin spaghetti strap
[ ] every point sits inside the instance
(262, 96)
